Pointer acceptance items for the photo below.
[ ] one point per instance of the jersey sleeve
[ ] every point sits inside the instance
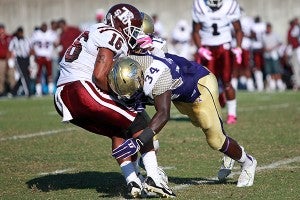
(197, 11)
(234, 12)
(111, 39)
(163, 84)
(158, 79)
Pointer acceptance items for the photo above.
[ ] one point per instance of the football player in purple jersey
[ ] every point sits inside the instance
(193, 89)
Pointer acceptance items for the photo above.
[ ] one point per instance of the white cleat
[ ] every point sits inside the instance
(226, 168)
(246, 178)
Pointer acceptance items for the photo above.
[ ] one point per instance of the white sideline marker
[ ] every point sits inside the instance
(16, 137)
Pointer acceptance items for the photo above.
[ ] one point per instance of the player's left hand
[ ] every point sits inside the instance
(145, 41)
(128, 148)
(238, 54)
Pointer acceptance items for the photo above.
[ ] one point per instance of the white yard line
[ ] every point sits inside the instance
(25, 136)
(59, 171)
(271, 166)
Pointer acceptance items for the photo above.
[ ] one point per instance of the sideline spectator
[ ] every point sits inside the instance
(294, 43)
(159, 29)
(273, 68)
(257, 31)
(6, 71)
(43, 43)
(67, 35)
(55, 54)
(181, 41)
(19, 52)
(242, 72)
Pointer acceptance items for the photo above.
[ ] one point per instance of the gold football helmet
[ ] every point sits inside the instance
(148, 24)
(126, 78)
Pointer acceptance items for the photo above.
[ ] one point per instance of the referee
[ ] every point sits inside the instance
(19, 50)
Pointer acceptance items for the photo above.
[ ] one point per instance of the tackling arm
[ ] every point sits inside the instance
(162, 105)
(103, 65)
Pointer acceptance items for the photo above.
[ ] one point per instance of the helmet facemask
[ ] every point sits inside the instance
(214, 4)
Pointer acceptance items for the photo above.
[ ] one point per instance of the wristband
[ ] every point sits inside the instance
(145, 136)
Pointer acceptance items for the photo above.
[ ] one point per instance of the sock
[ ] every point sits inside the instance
(272, 84)
(243, 80)
(128, 171)
(231, 105)
(38, 89)
(245, 160)
(51, 88)
(234, 83)
(259, 80)
(250, 85)
(151, 165)
(280, 85)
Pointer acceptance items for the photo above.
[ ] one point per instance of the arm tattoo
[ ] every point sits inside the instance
(101, 59)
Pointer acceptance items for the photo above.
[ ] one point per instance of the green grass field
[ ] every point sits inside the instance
(41, 158)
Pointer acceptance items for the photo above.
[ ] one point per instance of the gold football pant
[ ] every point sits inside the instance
(205, 112)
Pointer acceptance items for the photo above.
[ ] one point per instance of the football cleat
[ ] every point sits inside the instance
(162, 175)
(160, 189)
(246, 178)
(134, 189)
(231, 119)
(226, 168)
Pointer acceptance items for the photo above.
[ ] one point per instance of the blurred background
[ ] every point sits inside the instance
(31, 13)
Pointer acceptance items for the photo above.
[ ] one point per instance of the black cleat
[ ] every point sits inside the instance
(162, 189)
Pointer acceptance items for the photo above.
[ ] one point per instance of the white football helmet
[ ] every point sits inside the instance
(214, 4)
(127, 19)
(126, 78)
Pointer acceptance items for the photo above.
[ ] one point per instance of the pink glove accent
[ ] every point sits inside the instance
(238, 54)
(144, 41)
(203, 52)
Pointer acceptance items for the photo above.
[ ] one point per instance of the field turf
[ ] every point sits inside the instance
(41, 158)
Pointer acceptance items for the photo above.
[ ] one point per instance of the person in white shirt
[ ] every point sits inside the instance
(257, 30)
(273, 68)
(43, 43)
(242, 72)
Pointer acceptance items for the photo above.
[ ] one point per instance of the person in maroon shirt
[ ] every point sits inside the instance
(67, 36)
(293, 40)
(6, 69)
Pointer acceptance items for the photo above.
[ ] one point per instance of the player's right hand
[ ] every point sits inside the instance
(203, 52)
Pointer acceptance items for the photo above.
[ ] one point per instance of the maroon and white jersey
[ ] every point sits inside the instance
(215, 29)
(79, 59)
(43, 43)
(258, 29)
